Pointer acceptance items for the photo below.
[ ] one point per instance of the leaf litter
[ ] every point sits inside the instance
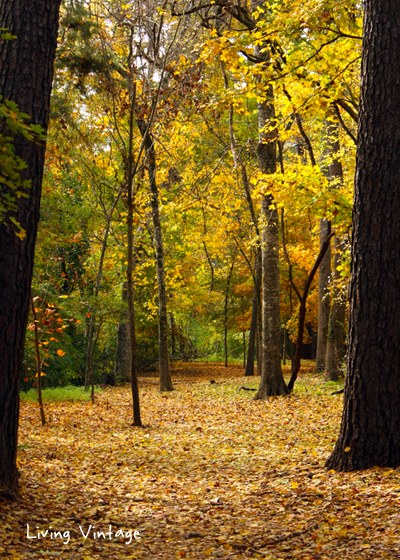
(212, 474)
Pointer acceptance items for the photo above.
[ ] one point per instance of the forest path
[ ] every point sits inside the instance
(212, 474)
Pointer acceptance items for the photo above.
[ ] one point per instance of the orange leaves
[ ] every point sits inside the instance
(61, 352)
(212, 474)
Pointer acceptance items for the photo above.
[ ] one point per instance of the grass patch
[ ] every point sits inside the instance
(59, 394)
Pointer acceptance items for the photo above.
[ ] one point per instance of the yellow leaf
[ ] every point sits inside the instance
(346, 449)
(61, 352)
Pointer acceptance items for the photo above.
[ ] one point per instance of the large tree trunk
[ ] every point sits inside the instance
(26, 73)
(323, 298)
(370, 430)
(271, 382)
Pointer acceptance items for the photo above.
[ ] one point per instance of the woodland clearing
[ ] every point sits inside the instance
(212, 473)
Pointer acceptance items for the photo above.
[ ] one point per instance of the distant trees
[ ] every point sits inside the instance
(187, 113)
(26, 73)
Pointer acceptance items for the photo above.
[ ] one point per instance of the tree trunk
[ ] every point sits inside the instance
(284, 357)
(123, 354)
(271, 382)
(165, 377)
(244, 349)
(258, 352)
(370, 429)
(89, 353)
(323, 298)
(137, 421)
(173, 332)
(92, 327)
(252, 337)
(336, 334)
(228, 282)
(38, 364)
(26, 73)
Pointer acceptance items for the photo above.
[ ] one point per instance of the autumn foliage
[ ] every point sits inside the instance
(211, 474)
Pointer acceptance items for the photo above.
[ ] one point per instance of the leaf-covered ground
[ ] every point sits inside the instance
(213, 474)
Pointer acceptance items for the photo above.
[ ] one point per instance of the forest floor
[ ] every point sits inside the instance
(212, 474)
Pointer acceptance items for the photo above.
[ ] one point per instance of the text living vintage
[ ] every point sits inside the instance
(65, 536)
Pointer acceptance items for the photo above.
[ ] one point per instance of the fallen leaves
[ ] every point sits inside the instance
(213, 474)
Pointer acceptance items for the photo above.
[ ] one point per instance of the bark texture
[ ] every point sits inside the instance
(323, 298)
(165, 377)
(123, 354)
(26, 73)
(271, 382)
(370, 429)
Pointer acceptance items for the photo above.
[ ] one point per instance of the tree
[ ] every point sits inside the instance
(26, 74)
(370, 429)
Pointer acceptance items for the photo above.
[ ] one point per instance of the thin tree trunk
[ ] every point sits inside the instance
(228, 282)
(336, 334)
(323, 297)
(123, 354)
(26, 73)
(173, 332)
(258, 352)
(284, 357)
(92, 318)
(252, 337)
(137, 421)
(89, 353)
(296, 361)
(165, 377)
(93, 349)
(38, 364)
(256, 310)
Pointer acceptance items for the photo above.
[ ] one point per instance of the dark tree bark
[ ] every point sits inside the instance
(123, 354)
(137, 421)
(26, 73)
(323, 298)
(370, 429)
(165, 377)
